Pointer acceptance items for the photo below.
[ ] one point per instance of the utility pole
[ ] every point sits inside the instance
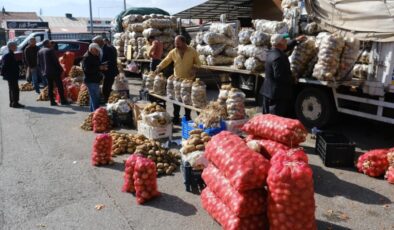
(124, 4)
(91, 16)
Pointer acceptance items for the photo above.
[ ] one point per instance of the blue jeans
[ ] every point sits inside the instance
(35, 79)
(94, 95)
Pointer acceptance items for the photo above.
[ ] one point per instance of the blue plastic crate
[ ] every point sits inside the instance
(188, 126)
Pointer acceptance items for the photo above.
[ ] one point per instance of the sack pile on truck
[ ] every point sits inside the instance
(302, 54)
(140, 27)
(217, 46)
(119, 43)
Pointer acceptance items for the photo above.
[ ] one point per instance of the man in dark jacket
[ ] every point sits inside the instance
(50, 68)
(277, 89)
(10, 72)
(108, 57)
(30, 54)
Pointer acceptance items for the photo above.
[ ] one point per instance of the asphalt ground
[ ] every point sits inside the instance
(48, 182)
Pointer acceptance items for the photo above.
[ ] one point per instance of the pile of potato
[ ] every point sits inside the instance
(26, 87)
(115, 97)
(83, 97)
(43, 95)
(123, 143)
(88, 123)
(152, 108)
(75, 72)
(196, 142)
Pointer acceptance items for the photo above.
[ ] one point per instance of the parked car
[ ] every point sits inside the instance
(18, 40)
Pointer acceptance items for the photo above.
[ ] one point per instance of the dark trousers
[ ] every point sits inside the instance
(13, 89)
(154, 63)
(277, 107)
(107, 87)
(177, 109)
(58, 81)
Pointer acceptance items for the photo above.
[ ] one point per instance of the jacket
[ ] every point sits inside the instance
(10, 68)
(30, 54)
(91, 68)
(110, 56)
(278, 83)
(48, 64)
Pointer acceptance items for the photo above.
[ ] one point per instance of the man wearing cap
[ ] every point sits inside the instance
(277, 89)
(50, 68)
(10, 72)
(108, 56)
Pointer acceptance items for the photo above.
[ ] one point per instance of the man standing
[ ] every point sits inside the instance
(108, 57)
(277, 89)
(155, 52)
(10, 72)
(50, 68)
(184, 58)
(30, 54)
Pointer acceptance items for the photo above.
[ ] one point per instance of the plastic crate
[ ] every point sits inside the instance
(192, 178)
(335, 149)
(188, 126)
(155, 132)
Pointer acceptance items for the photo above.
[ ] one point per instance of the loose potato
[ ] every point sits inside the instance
(200, 147)
(196, 131)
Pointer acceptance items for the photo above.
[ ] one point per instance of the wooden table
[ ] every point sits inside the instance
(166, 99)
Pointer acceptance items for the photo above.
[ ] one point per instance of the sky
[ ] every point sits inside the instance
(100, 8)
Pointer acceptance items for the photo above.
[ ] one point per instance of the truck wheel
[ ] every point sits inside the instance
(314, 108)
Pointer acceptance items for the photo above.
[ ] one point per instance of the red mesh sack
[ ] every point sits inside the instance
(268, 147)
(73, 91)
(102, 146)
(390, 157)
(242, 204)
(291, 203)
(373, 163)
(229, 221)
(101, 122)
(244, 168)
(390, 175)
(145, 180)
(128, 185)
(297, 154)
(284, 130)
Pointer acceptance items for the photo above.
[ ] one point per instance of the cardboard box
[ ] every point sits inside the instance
(154, 132)
(137, 109)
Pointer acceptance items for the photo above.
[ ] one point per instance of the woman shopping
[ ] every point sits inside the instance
(92, 69)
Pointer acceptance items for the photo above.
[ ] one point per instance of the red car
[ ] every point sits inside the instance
(61, 46)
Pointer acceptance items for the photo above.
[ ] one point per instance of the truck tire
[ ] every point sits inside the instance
(315, 108)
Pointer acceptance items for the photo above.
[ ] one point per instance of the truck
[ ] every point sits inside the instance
(318, 102)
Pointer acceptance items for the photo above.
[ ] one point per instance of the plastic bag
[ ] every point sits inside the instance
(177, 88)
(121, 83)
(290, 132)
(128, 184)
(214, 50)
(270, 27)
(222, 214)
(101, 122)
(348, 58)
(223, 28)
(156, 119)
(373, 163)
(186, 92)
(303, 54)
(239, 62)
(230, 51)
(235, 105)
(212, 38)
(254, 65)
(245, 168)
(149, 81)
(199, 94)
(259, 38)
(244, 36)
(145, 180)
(159, 85)
(258, 52)
(242, 204)
(200, 38)
(291, 203)
(196, 160)
(219, 60)
(101, 153)
(170, 87)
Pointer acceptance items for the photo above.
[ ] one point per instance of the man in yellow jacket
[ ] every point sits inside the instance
(184, 58)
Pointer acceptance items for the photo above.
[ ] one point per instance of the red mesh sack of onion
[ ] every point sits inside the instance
(244, 168)
(373, 163)
(291, 203)
(242, 204)
(284, 130)
(101, 122)
(145, 180)
(101, 153)
(128, 185)
(226, 218)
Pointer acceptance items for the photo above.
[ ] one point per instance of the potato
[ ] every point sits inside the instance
(200, 147)
(206, 138)
(196, 131)
(189, 149)
(204, 134)
(160, 165)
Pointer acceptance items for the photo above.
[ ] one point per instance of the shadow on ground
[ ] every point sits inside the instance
(329, 185)
(46, 110)
(323, 225)
(173, 204)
